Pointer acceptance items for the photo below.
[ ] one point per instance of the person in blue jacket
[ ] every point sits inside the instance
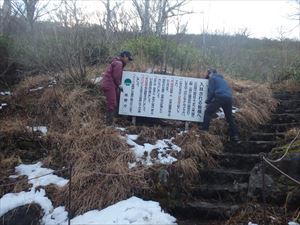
(219, 95)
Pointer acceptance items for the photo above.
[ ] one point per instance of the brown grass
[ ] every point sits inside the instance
(199, 146)
(254, 213)
(13, 125)
(100, 159)
(152, 134)
(63, 109)
(255, 103)
(77, 136)
(287, 85)
(31, 82)
(291, 134)
(187, 167)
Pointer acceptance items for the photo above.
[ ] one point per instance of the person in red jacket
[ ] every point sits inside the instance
(111, 83)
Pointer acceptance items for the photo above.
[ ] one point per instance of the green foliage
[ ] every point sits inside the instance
(5, 42)
(163, 52)
(148, 48)
(293, 71)
(96, 53)
(53, 47)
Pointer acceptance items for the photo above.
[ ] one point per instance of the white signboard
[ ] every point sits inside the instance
(163, 96)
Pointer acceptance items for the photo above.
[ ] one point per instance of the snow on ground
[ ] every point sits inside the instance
(2, 105)
(36, 89)
(13, 200)
(163, 147)
(41, 129)
(221, 113)
(36, 170)
(131, 211)
(5, 93)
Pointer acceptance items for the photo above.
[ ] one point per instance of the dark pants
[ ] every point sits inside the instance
(226, 104)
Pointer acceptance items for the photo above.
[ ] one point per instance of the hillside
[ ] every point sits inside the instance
(77, 136)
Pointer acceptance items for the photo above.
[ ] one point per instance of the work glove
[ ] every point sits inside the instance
(121, 88)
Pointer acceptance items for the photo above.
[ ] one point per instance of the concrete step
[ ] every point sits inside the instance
(289, 104)
(260, 136)
(205, 210)
(251, 147)
(200, 221)
(235, 192)
(279, 127)
(223, 176)
(292, 110)
(285, 117)
(286, 95)
(237, 161)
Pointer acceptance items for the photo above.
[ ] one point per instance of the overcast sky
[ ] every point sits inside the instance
(262, 18)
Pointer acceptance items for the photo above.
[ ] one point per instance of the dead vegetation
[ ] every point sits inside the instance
(255, 213)
(77, 136)
(199, 146)
(289, 85)
(254, 102)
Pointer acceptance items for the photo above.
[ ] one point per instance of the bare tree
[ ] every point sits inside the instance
(243, 32)
(167, 10)
(5, 16)
(110, 15)
(154, 14)
(71, 46)
(32, 10)
(143, 10)
(296, 15)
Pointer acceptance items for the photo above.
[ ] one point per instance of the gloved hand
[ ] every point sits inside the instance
(121, 88)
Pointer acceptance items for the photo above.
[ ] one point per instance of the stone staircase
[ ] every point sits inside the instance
(221, 191)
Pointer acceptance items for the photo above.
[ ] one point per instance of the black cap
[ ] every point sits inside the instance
(209, 71)
(127, 54)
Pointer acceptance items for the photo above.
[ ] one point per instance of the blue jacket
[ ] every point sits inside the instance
(217, 87)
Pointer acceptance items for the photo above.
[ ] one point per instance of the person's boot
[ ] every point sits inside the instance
(109, 118)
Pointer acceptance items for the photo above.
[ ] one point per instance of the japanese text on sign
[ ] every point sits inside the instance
(163, 96)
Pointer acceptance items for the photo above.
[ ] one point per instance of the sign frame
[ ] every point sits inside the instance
(163, 96)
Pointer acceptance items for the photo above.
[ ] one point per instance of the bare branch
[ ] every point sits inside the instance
(161, 11)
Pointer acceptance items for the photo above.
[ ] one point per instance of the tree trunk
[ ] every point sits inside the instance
(162, 16)
(6, 11)
(30, 7)
(143, 11)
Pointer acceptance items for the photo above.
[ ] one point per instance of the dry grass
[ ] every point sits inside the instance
(291, 134)
(70, 109)
(77, 136)
(152, 134)
(287, 85)
(96, 155)
(199, 146)
(31, 82)
(13, 125)
(188, 168)
(255, 104)
(254, 213)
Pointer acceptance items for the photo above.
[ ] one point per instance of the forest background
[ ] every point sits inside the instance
(58, 36)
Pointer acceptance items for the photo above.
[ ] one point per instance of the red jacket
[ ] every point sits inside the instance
(112, 76)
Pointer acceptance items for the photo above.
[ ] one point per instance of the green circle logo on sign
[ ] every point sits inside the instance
(127, 81)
